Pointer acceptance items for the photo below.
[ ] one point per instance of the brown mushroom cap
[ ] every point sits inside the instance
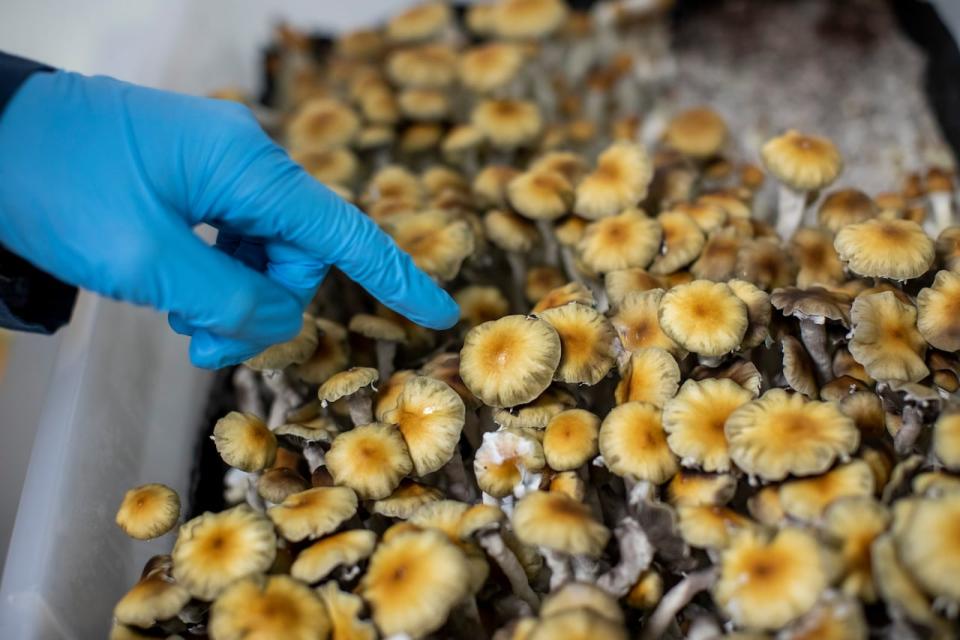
(938, 311)
(843, 207)
(556, 521)
(885, 248)
(296, 350)
(491, 66)
(633, 442)
(803, 162)
(704, 317)
(507, 123)
(527, 19)
(620, 181)
(885, 338)
(698, 133)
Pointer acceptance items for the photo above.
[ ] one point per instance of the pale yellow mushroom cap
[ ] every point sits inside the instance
(683, 240)
(330, 356)
(557, 521)
(946, 440)
(853, 524)
(704, 317)
(710, 526)
(321, 124)
(427, 66)
(507, 123)
(816, 258)
(633, 442)
(843, 207)
(430, 415)
(541, 194)
(718, 260)
(586, 339)
(490, 185)
(928, 544)
(490, 66)
(697, 133)
(620, 181)
(570, 439)
(885, 338)
(370, 459)
(315, 563)
(344, 610)
(437, 241)
(650, 375)
(621, 283)
(294, 351)
(638, 324)
(802, 162)
(270, 607)
(346, 383)
(244, 441)
(577, 624)
(898, 588)
(479, 304)
(155, 597)
(807, 498)
(628, 239)
(562, 295)
(148, 511)
(420, 22)
(581, 595)
(527, 19)
(885, 248)
(687, 488)
(313, 513)
(938, 311)
(509, 231)
(406, 499)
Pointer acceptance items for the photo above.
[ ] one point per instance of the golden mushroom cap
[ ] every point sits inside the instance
(694, 420)
(215, 549)
(638, 324)
(313, 513)
(320, 124)
(490, 185)
(581, 595)
(148, 511)
(843, 207)
(428, 66)
(759, 312)
(527, 19)
(565, 294)
(330, 356)
(628, 239)
(897, 587)
(394, 182)
(479, 304)
(557, 521)
(294, 351)
(540, 194)
(406, 499)
(806, 499)
(504, 457)
(698, 133)
(329, 166)
(633, 442)
(244, 441)
(577, 624)
(586, 339)
(683, 240)
(938, 311)
(437, 241)
(619, 284)
(718, 259)
(509, 231)
(268, 607)
(507, 123)
(710, 526)
(344, 610)
(510, 361)
(946, 440)
(420, 22)
(490, 66)
(885, 338)
(620, 181)
(853, 523)
(885, 248)
(802, 162)
(377, 328)
(688, 488)
(780, 434)
(570, 439)
(650, 375)
(704, 317)
(480, 517)
(156, 596)
(370, 459)
(816, 258)
(536, 414)
(933, 559)
(316, 562)
(765, 584)
(389, 393)
(430, 415)
(569, 164)
(836, 617)
(413, 581)
(346, 383)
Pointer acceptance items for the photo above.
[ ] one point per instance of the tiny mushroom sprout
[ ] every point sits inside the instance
(215, 549)
(938, 311)
(510, 361)
(587, 343)
(801, 163)
(155, 597)
(268, 607)
(148, 511)
(633, 443)
(704, 317)
(780, 434)
(355, 385)
(885, 248)
(370, 459)
(885, 338)
(619, 181)
(430, 416)
(767, 583)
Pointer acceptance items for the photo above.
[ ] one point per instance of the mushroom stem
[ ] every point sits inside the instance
(248, 391)
(675, 600)
(285, 397)
(909, 431)
(942, 204)
(458, 483)
(790, 206)
(570, 265)
(636, 554)
(360, 405)
(585, 569)
(551, 248)
(814, 337)
(313, 454)
(518, 275)
(256, 502)
(386, 351)
(492, 542)
(559, 564)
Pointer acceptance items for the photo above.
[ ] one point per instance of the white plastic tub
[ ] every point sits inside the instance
(123, 408)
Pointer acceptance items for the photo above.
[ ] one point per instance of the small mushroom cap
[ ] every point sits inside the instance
(413, 581)
(445, 367)
(370, 459)
(148, 511)
(741, 371)
(646, 592)
(268, 607)
(294, 351)
(330, 356)
(480, 517)
(633, 442)
(509, 231)
(933, 560)
(885, 338)
(638, 324)
(853, 523)
(620, 181)
(427, 66)
(683, 241)
(704, 317)
(813, 303)
(569, 164)
(938, 310)
(948, 248)
(577, 624)
(557, 521)
(244, 441)
(764, 506)
(330, 166)
(946, 440)
(698, 133)
(816, 258)
(718, 260)
(563, 295)
(490, 185)
(504, 457)
(315, 563)
(510, 361)
(346, 383)
(460, 139)
(570, 439)
(527, 19)
(695, 418)
(406, 499)
(798, 367)
(344, 610)
(420, 22)
(569, 483)
(763, 262)
(693, 489)
(802, 162)
(779, 434)
(806, 499)
(490, 66)
(436, 240)
(710, 526)
(836, 617)
(507, 123)
(313, 513)
(897, 587)
(430, 415)
(586, 339)
(759, 312)
(155, 597)
(708, 215)
(377, 328)
(388, 394)
(765, 584)
(570, 230)
(540, 194)
(424, 104)
(320, 124)
(479, 304)
(885, 248)
(628, 239)
(581, 595)
(621, 283)
(843, 207)
(362, 44)
(394, 182)
(536, 414)
(215, 549)
(650, 375)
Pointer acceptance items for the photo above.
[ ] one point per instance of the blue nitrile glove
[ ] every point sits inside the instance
(102, 181)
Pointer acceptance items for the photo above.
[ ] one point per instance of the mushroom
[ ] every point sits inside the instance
(344, 610)
(697, 133)
(763, 262)
(507, 124)
(296, 350)
(834, 616)
(638, 325)
(683, 240)
(423, 21)
(798, 370)
(386, 333)
(321, 124)
(405, 499)
(278, 483)
(355, 385)
(852, 524)
(688, 488)
(430, 416)
(633, 443)
(587, 343)
(570, 439)
(650, 375)
(148, 512)
(844, 207)
(948, 248)
(620, 181)
(759, 312)
(155, 597)
(268, 607)
(813, 307)
(515, 237)
(946, 440)
(801, 163)
(313, 513)
(807, 498)
(647, 591)
(932, 560)
(330, 356)
(543, 196)
(370, 459)
(619, 284)
(215, 549)
(904, 597)
(345, 549)
(505, 460)
(704, 317)
(436, 240)
(535, 414)
(718, 259)
(710, 526)
(431, 65)
(885, 339)
(937, 311)
(816, 258)
(577, 624)
(244, 441)
(491, 67)
(563, 295)
(882, 248)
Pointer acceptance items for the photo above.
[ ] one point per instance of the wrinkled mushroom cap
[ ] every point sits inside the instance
(853, 523)
(436, 240)
(565, 294)
(344, 610)
(885, 338)
(504, 457)
(320, 124)
(509, 231)
(933, 560)
(638, 324)
(806, 499)
(650, 375)
(507, 123)
(709, 526)
(620, 181)
(843, 207)
(490, 66)
(938, 311)
(377, 328)
(682, 242)
(628, 239)
(527, 19)
(540, 194)
(346, 383)
(244, 441)
(155, 597)
(581, 595)
(687, 488)
(148, 511)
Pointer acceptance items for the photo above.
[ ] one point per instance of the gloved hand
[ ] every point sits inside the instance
(102, 181)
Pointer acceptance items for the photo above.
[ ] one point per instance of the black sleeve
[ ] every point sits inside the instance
(30, 299)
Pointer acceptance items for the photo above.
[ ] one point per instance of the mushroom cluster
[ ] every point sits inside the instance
(666, 411)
